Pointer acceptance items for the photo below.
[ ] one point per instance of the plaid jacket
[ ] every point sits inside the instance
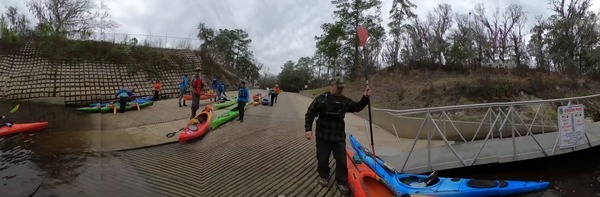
(330, 110)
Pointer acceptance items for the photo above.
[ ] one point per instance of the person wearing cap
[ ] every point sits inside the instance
(197, 86)
(330, 108)
(243, 98)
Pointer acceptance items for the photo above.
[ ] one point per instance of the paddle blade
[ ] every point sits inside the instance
(15, 108)
(363, 35)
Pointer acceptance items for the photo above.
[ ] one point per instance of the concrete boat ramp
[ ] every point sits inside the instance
(266, 155)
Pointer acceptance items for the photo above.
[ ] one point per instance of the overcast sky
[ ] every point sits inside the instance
(280, 30)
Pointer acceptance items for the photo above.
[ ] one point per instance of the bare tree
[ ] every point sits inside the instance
(537, 46)
(440, 22)
(518, 18)
(492, 29)
(511, 17)
(16, 21)
(71, 17)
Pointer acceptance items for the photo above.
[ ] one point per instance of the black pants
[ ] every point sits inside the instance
(155, 96)
(241, 107)
(123, 104)
(195, 104)
(324, 149)
(273, 97)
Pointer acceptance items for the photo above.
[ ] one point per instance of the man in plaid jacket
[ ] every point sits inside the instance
(330, 108)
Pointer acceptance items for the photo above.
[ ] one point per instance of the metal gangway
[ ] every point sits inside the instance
(507, 132)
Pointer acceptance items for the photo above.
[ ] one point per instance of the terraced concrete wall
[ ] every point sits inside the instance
(27, 75)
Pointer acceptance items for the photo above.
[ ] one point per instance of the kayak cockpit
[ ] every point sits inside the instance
(419, 182)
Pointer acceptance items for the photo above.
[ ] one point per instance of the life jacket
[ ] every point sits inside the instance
(157, 86)
(197, 85)
(335, 107)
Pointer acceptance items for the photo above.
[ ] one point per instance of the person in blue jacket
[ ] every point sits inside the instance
(243, 97)
(220, 90)
(124, 95)
(183, 86)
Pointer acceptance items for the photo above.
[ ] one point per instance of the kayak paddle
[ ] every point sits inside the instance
(115, 107)
(363, 36)
(13, 110)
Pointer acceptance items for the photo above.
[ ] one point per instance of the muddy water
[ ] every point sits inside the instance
(27, 159)
(573, 174)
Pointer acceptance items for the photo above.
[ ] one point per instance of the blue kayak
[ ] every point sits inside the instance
(415, 184)
(139, 100)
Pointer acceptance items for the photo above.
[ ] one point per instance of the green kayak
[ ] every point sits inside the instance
(224, 103)
(109, 108)
(227, 116)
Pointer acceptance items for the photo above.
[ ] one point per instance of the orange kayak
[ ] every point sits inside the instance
(25, 127)
(197, 125)
(202, 97)
(362, 181)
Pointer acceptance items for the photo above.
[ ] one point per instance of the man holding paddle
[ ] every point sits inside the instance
(331, 108)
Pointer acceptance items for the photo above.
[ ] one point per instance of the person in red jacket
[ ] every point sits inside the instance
(197, 87)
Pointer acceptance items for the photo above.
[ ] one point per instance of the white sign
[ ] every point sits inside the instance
(571, 125)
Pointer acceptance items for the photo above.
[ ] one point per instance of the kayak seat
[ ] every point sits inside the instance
(417, 182)
(455, 179)
(477, 183)
(503, 184)
(356, 159)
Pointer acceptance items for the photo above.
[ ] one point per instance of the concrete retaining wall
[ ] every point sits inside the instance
(27, 75)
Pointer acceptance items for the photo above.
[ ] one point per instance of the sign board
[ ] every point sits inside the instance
(305, 87)
(571, 125)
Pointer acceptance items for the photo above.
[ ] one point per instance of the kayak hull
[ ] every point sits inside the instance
(225, 104)
(441, 186)
(202, 97)
(140, 100)
(109, 108)
(24, 127)
(197, 126)
(226, 117)
(265, 101)
(362, 181)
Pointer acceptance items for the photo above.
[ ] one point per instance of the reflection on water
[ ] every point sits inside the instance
(59, 117)
(27, 159)
(25, 163)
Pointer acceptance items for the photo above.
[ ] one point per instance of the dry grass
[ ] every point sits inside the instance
(409, 89)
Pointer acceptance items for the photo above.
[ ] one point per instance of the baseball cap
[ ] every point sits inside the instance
(339, 82)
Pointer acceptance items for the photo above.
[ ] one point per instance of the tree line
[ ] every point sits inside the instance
(567, 41)
(80, 19)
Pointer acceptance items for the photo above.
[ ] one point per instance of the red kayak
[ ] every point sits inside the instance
(25, 127)
(197, 125)
(362, 181)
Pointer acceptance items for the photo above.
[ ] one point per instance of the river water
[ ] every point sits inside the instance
(54, 162)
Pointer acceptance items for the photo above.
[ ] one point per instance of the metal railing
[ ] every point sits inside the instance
(498, 116)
